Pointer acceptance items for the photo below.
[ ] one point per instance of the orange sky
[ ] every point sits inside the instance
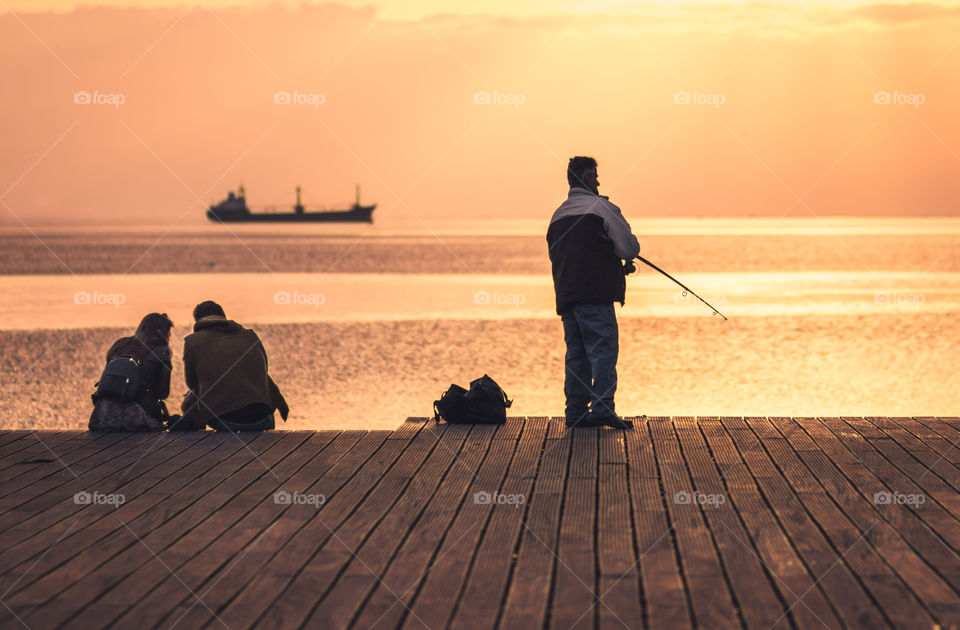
(783, 118)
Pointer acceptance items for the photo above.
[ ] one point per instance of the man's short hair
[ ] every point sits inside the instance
(577, 168)
(205, 309)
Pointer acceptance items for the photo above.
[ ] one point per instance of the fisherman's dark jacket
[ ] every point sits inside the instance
(588, 239)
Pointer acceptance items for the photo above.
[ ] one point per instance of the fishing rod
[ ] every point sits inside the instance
(685, 288)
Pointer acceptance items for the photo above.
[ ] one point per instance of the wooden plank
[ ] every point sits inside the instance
(584, 455)
(789, 497)
(339, 552)
(373, 556)
(920, 458)
(294, 541)
(944, 429)
(711, 598)
(762, 427)
(801, 603)
(526, 462)
(36, 458)
(86, 527)
(762, 607)
(575, 589)
(410, 428)
(528, 595)
(12, 436)
(209, 550)
(926, 526)
(328, 476)
(57, 490)
(574, 596)
(557, 429)
(489, 577)
(860, 538)
(112, 478)
(34, 445)
(35, 440)
(91, 573)
(662, 588)
(600, 539)
(932, 440)
(794, 434)
(439, 594)
(20, 492)
(618, 580)
(416, 556)
(84, 524)
(734, 422)
(510, 430)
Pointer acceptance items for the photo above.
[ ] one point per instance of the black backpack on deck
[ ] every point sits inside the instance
(484, 403)
(122, 380)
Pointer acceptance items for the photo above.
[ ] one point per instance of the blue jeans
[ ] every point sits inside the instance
(593, 344)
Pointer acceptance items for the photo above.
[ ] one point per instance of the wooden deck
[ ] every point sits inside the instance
(708, 523)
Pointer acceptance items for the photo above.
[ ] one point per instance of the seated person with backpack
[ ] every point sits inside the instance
(225, 366)
(131, 391)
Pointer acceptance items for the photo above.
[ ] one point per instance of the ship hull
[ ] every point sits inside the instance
(359, 214)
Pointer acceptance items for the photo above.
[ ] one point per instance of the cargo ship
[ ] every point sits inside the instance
(234, 210)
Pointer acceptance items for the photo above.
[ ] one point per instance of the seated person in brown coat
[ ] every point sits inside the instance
(225, 366)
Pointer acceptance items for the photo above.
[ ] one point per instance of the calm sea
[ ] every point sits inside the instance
(826, 317)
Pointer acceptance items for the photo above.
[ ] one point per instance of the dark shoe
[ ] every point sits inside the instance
(615, 422)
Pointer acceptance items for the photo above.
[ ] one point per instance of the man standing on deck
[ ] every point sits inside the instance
(588, 241)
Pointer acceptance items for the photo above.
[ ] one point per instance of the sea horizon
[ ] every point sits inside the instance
(524, 226)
